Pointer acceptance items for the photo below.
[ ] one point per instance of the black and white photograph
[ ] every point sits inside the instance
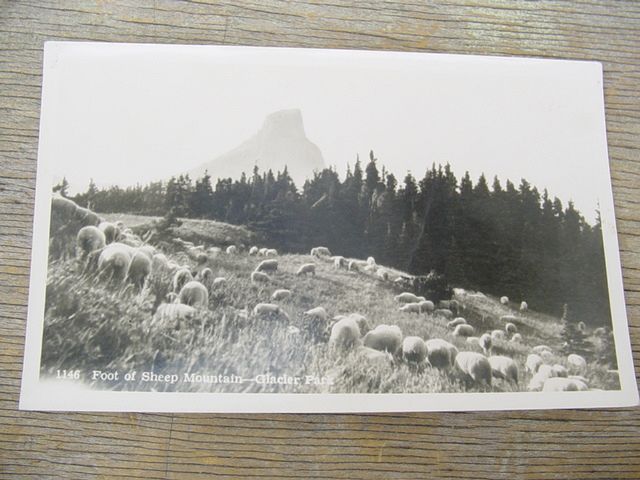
(218, 228)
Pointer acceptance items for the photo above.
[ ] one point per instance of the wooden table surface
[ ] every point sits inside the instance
(557, 444)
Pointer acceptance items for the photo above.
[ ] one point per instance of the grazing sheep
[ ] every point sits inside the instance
(345, 334)
(159, 262)
(111, 232)
(407, 297)
(440, 353)
(361, 320)
(306, 268)
(455, 322)
(538, 380)
(353, 266)
(384, 337)
(339, 262)
(540, 348)
(139, 268)
(452, 305)
(486, 342)
(600, 332)
(510, 328)
(516, 338)
(509, 318)
(504, 368)
(443, 312)
(218, 282)
(473, 341)
(371, 261)
(427, 305)
(318, 313)
(411, 308)
(180, 278)
(524, 306)
(320, 252)
(194, 294)
(533, 363)
(561, 384)
(559, 370)
(271, 252)
(414, 349)
(169, 315)
(269, 310)
(582, 327)
(281, 294)
(214, 251)
(86, 217)
(463, 330)
(576, 363)
(231, 250)
(205, 275)
(130, 240)
(504, 300)
(374, 357)
(260, 277)
(270, 265)
(474, 366)
(546, 355)
(114, 261)
(202, 259)
(89, 239)
(253, 250)
(262, 251)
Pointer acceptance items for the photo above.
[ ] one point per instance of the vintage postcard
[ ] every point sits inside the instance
(236, 229)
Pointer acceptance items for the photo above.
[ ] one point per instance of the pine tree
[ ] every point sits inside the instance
(573, 335)
(62, 188)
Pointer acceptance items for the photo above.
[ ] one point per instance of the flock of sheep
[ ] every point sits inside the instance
(114, 253)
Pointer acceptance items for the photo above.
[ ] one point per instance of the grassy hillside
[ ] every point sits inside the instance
(92, 325)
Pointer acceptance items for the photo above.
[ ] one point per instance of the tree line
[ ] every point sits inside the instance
(500, 239)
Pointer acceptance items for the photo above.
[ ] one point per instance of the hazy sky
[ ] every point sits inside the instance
(123, 114)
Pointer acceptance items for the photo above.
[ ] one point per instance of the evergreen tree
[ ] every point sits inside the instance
(574, 338)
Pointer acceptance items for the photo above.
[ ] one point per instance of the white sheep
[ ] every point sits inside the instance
(218, 282)
(533, 362)
(474, 366)
(504, 368)
(407, 297)
(159, 262)
(524, 306)
(111, 232)
(89, 239)
(281, 294)
(536, 383)
(371, 261)
(214, 251)
(510, 328)
(540, 348)
(253, 250)
(269, 309)
(559, 370)
(318, 313)
(455, 322)
(508, 318)
(139, 268)
(361, 320)
(485, 342)
(180, 278)
(576, 363)
(516, 338)
(582, 327)
(260, 277)
(561, 384)
(427, 305)
(205, 276)
(353, 266)
(345, 334)
(498, 335)
(384, 337)
(339, 262)
(440, 353)
(600, 332)
(374, 357)
(306, 268)
(414, 349)
(411, 308)
(463, 330)
(320, 252)
(382, 274)
(194, 294)
(232, 250)
(114, 261)
(169, 315)
(443, 312)
(504, 300)
(270, 265)
(271, 252)
(262, 251)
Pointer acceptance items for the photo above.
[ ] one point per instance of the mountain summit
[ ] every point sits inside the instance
(280, 142)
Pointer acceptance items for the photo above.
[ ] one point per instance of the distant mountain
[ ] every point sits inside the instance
(280, 142)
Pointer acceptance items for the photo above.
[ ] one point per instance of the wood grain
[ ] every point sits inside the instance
(558, 444)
